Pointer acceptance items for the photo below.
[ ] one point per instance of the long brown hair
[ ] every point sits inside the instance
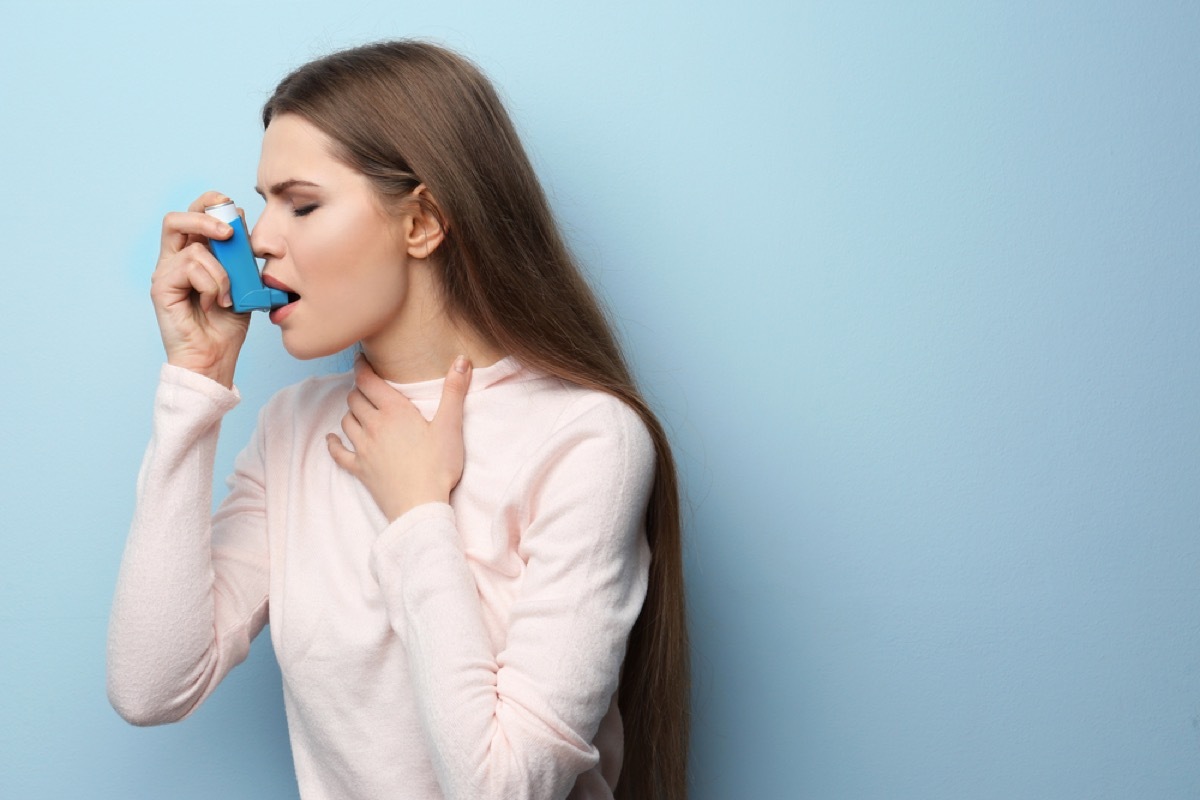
(407, 112)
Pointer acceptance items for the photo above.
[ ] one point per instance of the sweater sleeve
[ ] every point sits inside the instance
(520, 723)
(192, 590)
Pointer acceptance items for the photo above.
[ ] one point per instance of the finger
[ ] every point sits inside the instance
(362, 381)
(208, 277)
(362, 409)
(352, 428)
(202, 281)
(199, 255)
(178, 226)
(379, 392)
(209, 198)
(454, 394)
(342, 456)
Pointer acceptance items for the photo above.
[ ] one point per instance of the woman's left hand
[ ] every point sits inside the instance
(403, 460)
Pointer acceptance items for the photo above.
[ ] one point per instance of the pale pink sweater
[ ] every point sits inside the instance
(469, 650)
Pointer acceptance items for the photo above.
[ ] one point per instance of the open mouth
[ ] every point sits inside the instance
(274, 283)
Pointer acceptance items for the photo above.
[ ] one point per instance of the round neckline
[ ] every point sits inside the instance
(481, 378)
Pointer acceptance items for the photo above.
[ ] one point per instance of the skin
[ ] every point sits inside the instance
(363, 275)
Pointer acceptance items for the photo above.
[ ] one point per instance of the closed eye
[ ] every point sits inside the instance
(305, 210)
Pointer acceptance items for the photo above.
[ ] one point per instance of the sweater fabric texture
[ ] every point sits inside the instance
(465, 650)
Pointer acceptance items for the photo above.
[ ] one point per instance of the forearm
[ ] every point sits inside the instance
(513, 724)
(164, 655)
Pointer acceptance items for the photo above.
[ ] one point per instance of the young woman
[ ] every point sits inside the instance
(468, 548)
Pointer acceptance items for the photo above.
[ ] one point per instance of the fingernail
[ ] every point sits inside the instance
(226, 300)
(460, 364)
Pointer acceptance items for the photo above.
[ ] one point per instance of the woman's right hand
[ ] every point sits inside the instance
(200, 330)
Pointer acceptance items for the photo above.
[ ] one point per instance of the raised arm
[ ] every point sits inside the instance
(188, 600)
(192, 590)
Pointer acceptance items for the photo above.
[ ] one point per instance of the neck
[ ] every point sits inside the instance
(423, 344)
(423, 361)
(422, 341)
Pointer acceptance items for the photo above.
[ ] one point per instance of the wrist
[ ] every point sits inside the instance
(403, 506)
(219, 371)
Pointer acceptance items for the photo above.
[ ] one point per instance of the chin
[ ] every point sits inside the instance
(308, 350)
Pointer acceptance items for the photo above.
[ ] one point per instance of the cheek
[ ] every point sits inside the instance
(358, 288)
(350, 273)
(348, 258)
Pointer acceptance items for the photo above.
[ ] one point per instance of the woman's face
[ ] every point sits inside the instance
(325, 239)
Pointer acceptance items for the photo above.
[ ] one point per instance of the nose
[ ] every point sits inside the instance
(264, 240)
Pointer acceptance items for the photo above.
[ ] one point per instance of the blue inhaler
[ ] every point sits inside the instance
(245, 284)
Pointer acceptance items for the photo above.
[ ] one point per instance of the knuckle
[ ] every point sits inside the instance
(189, 254)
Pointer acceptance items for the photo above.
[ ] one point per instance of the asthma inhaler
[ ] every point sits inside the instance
(245, 284)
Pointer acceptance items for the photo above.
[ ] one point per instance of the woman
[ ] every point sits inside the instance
(474, 583)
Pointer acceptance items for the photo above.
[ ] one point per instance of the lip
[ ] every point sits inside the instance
(274, 283)
(280, 313)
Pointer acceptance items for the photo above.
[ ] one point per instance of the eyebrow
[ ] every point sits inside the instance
(283, 186)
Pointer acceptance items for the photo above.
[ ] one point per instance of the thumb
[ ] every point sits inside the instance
(342, 456)
(454, 393)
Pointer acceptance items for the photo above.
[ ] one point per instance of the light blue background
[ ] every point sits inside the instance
(913, 285)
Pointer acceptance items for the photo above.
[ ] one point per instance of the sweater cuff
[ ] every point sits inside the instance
(181, 389)
(416, 523)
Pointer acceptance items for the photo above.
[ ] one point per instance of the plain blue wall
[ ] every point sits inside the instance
(914, 286)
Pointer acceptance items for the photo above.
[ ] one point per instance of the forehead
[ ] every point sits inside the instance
(293, 148)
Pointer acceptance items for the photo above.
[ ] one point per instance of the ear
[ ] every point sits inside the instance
(422, 228)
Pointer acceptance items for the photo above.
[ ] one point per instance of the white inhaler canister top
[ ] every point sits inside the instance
(226, 212)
